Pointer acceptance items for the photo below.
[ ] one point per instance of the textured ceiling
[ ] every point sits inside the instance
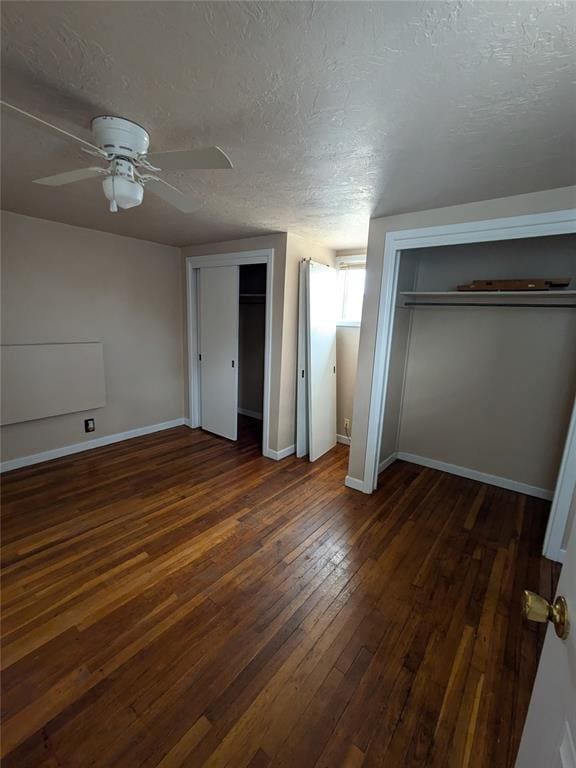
(331, 111)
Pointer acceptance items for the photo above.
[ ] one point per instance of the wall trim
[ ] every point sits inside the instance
(232, 258)
(357, 485)
(252, 414)
(385, 463)
(89, 445)
(452, 469)
(556, 529)
(474, 474)
(344, 439)
(279, 455)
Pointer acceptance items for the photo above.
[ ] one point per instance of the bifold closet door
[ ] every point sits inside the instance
(218, 305)
(302, 380)
(321, 369)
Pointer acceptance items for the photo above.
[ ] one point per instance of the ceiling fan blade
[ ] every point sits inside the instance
(71, 176)
(170, 194)
(87, 144)
(209, 158)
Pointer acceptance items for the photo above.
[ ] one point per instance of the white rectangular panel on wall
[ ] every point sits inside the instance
(322, 313)
(43, 380)
(218, 307)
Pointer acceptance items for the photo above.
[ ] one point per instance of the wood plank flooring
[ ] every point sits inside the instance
(178, 600)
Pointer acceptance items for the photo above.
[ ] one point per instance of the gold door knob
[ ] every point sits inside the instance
(536, 608)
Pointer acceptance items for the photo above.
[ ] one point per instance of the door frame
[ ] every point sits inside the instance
(563, 494)
(510, 228)
(240, 258)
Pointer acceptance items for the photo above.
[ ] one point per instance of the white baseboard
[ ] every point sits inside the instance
(88, 445)
(386, 462)
(356, 485)
(473, 474)
(278, 455)
(344, 439)
(359, 485)
(252, 414)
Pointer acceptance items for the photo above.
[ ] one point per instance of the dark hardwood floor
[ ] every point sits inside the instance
(180, 600)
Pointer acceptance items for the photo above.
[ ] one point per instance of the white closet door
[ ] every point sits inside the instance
(218, 349)
(302, 382)
(321, 372)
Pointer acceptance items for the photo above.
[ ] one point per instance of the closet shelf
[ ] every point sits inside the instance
(487, 298)
(252, 298)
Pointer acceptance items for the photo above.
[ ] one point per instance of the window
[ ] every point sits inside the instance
(351, 277)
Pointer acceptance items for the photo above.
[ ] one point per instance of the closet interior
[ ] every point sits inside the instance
(231, 332)
(251, 348)
(482, 383)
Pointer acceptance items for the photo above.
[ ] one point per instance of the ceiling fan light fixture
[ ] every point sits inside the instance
(124, 145)
(122, 192)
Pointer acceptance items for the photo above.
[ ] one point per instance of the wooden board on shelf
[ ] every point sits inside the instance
(527, 284)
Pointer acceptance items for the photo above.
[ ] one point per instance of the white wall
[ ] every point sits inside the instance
(536, 202)
(347, 340)
(64, 283)
(491, 390)
(67, 284)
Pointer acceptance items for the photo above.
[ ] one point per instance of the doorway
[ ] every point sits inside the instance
(229, 341)
(251, 352)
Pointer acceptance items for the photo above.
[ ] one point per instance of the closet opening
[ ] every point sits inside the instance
(229, 297)
(251, 352)
(481, 379)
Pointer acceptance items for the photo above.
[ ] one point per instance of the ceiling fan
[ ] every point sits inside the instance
(124, 146)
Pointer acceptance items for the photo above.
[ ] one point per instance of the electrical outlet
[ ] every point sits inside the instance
(89, 425)
(347, 424)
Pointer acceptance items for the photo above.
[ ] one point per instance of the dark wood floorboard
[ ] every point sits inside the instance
(178, 600)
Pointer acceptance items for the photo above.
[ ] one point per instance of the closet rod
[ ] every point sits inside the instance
(480, 304)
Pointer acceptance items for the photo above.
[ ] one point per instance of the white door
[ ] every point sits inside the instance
(218, 303)
(302, 382)
(549, 736)
(321, 372)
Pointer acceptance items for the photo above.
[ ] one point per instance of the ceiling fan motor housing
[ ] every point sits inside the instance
(119, 137)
